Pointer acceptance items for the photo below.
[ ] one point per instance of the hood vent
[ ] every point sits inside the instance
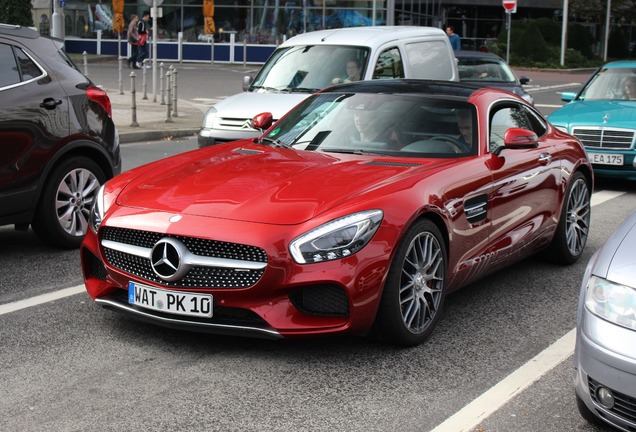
(393, 164)
(247, 151)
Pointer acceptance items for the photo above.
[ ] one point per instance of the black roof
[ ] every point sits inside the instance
(431, 87)
(477, 54)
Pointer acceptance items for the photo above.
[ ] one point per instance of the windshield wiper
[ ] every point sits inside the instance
(272, 89)
(347, 151)
(275, 142)
(302, 90)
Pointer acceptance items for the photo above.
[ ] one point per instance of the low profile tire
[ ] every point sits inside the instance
(62, 215)
(573, 228)
(413, 296)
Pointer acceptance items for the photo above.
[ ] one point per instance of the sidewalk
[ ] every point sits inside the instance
(152, 117)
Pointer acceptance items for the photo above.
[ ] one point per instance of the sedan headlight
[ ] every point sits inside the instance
(613, 302)
(208, 118)
(336, 239)
(97, 210)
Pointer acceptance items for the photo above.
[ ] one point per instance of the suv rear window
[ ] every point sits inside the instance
(16, 66)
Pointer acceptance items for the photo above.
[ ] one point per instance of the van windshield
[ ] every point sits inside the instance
(310, 68)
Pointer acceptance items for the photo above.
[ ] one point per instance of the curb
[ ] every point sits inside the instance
(133, 137)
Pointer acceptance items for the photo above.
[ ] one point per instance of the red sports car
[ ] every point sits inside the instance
(360, 210)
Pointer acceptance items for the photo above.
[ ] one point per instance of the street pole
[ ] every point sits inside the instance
(607, 29)
(508, 14)
(564, 31)
(57, 20)
(154, 50)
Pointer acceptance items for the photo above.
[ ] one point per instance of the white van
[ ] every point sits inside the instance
(312, 61)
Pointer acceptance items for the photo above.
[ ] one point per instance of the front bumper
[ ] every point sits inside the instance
(605, 356)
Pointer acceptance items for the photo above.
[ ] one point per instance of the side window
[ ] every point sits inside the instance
(430, 60)
(537, 125)
(27, 66)
(503, 119)
(389, 65)
(9, 73)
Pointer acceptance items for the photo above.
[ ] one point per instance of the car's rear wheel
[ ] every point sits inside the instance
(413, 296)
(573, 228)
(65, 204)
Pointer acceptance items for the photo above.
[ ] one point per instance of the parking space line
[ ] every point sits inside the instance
(44, 298)
(469, 417)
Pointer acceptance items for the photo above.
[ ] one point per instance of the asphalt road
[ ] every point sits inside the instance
(68, 365)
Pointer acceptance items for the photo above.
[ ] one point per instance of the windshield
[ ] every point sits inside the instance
(484, 69)
(311, 68)
(611, 84)
(392, 124)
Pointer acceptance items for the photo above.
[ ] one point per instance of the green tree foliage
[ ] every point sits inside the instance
(580, 39)
(16, 12)
(617, 45)
(531, 45)
(550, 29)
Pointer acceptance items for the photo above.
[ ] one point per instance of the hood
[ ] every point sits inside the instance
(617, 260)
(247, 104)
(620, 114)
(257, 183)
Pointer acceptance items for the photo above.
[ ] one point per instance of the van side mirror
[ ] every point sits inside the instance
(247, 82)
(262, 121)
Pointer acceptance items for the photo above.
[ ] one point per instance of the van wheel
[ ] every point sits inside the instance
(61, 218)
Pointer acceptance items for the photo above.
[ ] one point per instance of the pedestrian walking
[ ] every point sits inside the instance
(454, 38)
(142, 29)
(133, 40)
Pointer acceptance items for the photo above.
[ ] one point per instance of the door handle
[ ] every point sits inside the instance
(545, 158)
(50, 103)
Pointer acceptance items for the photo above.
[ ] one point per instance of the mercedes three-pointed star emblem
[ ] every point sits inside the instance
(166, 259)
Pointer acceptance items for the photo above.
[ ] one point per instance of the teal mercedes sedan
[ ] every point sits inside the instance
(603, 117)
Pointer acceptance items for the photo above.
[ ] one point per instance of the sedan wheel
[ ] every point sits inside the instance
(574, 226)
(414, 293)
(62, 217)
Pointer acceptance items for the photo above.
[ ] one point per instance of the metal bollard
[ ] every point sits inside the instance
(134, 102)
(169, 105)
(84, 55)
(161, 84)
(119, 79)
(175, 113)
(144, 82)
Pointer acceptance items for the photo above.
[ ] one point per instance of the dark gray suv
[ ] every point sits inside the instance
(58, 142)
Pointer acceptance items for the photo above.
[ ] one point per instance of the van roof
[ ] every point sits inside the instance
(362, 36)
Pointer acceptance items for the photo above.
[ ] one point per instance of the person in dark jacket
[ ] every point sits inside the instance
(142, 29)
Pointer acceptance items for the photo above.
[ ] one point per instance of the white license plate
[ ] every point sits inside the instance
(606, 158)
(173, 302)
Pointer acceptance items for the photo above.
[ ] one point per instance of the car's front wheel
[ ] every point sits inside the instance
(65, 204)
(413, 296)
(573, 228)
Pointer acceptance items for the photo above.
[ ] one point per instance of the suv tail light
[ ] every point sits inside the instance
(98, 95)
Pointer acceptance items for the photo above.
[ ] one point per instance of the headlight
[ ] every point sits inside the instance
(528, 98)
(97, 210)
(336, 239)
(208, 118)
(612, 302)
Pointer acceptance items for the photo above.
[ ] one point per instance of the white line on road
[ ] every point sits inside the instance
(552, 87)
(477, 410)
(37, 300)
(547, 106)
(469, 417)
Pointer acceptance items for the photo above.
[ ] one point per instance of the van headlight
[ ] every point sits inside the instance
(611, 301)
(97, 210)
(208, 118)
(336, 239)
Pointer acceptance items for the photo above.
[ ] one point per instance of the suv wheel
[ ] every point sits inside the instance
(65, 204)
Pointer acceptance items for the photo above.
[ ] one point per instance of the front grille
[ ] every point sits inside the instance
(95, 267)
(321, 300)
(607, 138)
(624, 406)
(198, 276)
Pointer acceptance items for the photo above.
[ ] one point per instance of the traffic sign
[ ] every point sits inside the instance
(510, 5)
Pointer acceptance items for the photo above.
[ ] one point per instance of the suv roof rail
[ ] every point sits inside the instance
(17, 30)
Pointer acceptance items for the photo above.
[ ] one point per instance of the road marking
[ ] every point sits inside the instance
(469, 417)
(548, 106)
(552, 87)
(497, 396)
(38, 300)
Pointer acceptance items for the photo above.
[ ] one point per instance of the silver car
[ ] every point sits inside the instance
(605, 353)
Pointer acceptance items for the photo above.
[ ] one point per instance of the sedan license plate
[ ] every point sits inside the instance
(173, 302)
(606, 158)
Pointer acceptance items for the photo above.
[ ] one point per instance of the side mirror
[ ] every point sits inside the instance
(524, 80)
(568, 96)
(262, 121)
(519, 139)
(247, 82)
